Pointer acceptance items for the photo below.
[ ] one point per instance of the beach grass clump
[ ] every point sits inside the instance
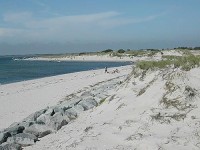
(184, 62)
(166, 118)
(170, 57)
(146, 65)
(188, 62)
(143, 90)
(174, 103)
(102, 101)
(152, 53)
(190, 92)
(138, 53)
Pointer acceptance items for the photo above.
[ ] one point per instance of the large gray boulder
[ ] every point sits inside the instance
(4, 136)
(99, 97)
(43, 119)
(57, 121)
(34, 116)
(70, 103)
(15, 130)
(50, 111)
(71, 113)
(58, 108)
(88, 103)
(23, 139)
(87, 94)
(38, 130)
(10, 146)
(23, 123)
(78, 108)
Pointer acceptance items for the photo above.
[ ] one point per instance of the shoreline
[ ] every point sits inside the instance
(63, 68)
(106, 57)
(87, 58)
(138, 107)
(76, 60)
(20, 99)
(1, 84)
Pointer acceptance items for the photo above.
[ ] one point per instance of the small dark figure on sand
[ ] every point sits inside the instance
(106, 69)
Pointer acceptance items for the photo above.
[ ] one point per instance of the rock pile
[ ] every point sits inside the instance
(51, 119)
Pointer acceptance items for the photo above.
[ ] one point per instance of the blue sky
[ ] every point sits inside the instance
(49, 26)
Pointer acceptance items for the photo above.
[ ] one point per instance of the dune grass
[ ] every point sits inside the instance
(184, 62)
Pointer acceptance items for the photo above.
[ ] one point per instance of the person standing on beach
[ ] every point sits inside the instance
(106, 69)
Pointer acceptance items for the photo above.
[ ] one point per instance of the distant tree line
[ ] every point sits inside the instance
(188, 48)
(110, 50)
(129, 51)
(107, 51)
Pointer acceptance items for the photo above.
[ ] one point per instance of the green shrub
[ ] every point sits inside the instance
(137, 53)
(121, 51)
(107, 51)
(102, 100)
(185, 62)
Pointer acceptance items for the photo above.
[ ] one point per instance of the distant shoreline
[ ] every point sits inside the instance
(23, 70)
(83, 59)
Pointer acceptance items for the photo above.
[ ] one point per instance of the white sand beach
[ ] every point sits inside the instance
(106, 58)
(101, 58)
(140, 88)
(18, 100)
(150, 112)
(130, 109)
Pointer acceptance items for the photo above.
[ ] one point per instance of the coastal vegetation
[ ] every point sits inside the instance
(184, 62)
(124, 52)
(154, 95)
(188, 48)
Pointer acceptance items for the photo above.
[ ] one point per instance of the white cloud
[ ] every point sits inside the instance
(90, 19)
(17, 17)
(66, 28)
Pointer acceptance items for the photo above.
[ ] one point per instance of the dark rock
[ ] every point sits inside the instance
(70, 103)
(57, 121)
(34, 116)
(52, 113)
(23, 123)
(49, 111)
(4, 136)
(38, 130)
(88, 103)
(43, 119)
(78, 108)
(23, 139)
(66, 108)
(15, 130)
(10, 146)
(59, 109)
(71, 113)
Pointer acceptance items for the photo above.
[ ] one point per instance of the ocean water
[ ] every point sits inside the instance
(12, 70)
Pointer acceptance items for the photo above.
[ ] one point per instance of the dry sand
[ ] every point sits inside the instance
(18, 100)
(159, 110)
(153, 110)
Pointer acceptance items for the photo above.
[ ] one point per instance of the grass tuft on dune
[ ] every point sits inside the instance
(184, 62)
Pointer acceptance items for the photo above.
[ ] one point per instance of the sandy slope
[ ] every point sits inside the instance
(18, 100)
(84, 58)
(152, 110)
(107, 57)
(149, 110)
